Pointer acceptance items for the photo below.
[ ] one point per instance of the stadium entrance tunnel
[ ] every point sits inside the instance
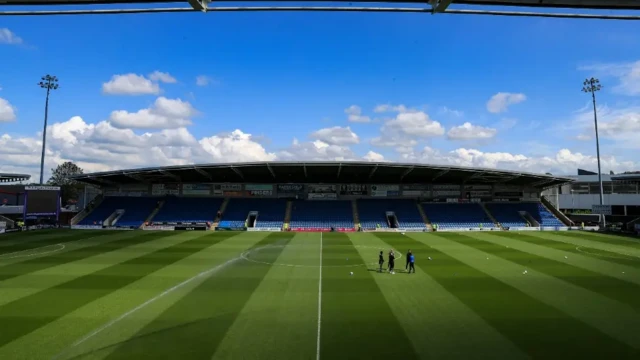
(392, 220)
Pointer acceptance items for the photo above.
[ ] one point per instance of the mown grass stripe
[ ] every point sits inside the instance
(612, 239)
(610, 287)
(24, 315)
(540, 330)
(29, 245)
(195, 325)
(12, 238)
(41, 263)
(286, 299)
(599, 254)
(355, 314)
(434, 319)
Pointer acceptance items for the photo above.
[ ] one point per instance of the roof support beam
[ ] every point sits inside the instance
(339, 169)
(134, 177)
(200, 5)
(271, 171)
(304, 167)
(443, 172)
(166, 173)
(237, 171)
(101, 180)
(373, 171)
(440, 6)
(474, 176)
(542, 182)
(406, 172)
(202, 172)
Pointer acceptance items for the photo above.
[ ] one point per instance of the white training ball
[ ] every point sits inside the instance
(429, 257)
(566, 257)
(352, 273)
(402, 233)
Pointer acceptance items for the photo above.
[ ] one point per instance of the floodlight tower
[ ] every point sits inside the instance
(592, 85)
(48, 82)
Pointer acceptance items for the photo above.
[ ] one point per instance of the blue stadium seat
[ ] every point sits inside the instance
(507, 214)
(270, 212)
(457, 216)
(319, 214)
(136, 210)
(188, 210)
(373, 212)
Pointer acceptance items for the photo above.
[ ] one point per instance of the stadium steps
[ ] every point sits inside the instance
(426, 220)
(10, 223)
(223, 207)
(490, 215)
(153, 213)
(552, 209)
(530, 219)
(112, 220)
(87, 210)
(287, 215)
(356, 217)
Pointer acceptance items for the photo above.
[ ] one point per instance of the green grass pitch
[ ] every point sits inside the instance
(250, 295)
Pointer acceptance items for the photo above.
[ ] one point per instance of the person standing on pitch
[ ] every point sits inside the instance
(406, 265)
(380, 260)
(392, 262)
(411, 260)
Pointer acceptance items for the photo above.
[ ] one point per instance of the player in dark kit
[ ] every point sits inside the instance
(406, 265)
(392, 262)
(411, 260)
(381, 260)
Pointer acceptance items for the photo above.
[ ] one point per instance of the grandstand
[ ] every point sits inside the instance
(320, 196)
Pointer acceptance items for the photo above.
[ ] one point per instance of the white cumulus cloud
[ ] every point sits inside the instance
(354, 113)
(130, 84)
(9, 38)
(7, 111)
(468, 131)
(202, 80)
(501, 101)
(336, 136)
(162, 77)
(163, 114)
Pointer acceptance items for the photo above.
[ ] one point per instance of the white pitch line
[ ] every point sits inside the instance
(144, 304)
(319, 303)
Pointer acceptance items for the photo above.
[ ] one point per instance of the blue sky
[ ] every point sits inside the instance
(285, 86)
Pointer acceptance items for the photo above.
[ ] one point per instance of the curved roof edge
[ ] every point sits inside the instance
(320, 172)
(5, 177)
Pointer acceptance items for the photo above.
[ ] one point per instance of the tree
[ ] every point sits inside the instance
(61, 176)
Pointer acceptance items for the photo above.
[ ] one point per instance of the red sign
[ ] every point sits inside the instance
(322, 229)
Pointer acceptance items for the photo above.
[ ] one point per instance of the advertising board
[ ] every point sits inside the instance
(159, 227)
(86, 227)
(1, 230)
(42, 188)
(227, 187)
(353, 189)
(165, 189)
(260, 192)
(322, 188)
(259, 187)
(196, 189)
(265, 229)
(326, 196)
(601, 209)
(421, 187)
(290, 188)
(233, 193)
(191, 228)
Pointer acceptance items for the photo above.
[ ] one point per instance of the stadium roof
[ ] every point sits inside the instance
(579, 4)
(13, 177)
(320, 172)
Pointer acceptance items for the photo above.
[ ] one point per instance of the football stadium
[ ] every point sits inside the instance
(280, 260)
(320, 259)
